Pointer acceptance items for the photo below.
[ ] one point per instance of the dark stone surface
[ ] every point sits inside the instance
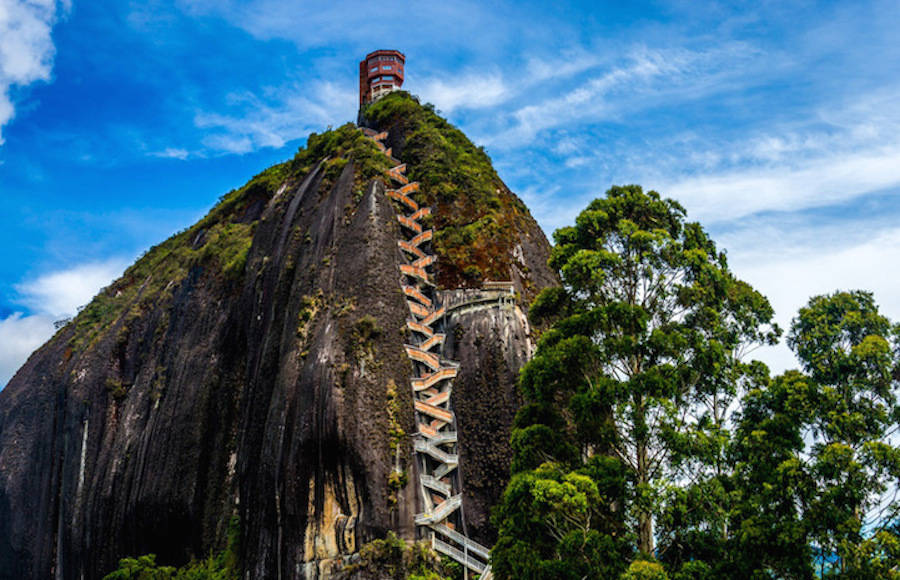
(491, 342)
(235, 406)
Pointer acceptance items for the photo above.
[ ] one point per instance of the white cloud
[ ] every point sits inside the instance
(648, 78)
(258, 123)
(332, 22)
(832, 155)
(49, 297)
(471, 91)
(790, 263)
(171, 153)
(828, 180)
(19, 336)
(26, 47)
(61, 293)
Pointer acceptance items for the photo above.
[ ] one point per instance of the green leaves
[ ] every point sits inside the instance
(548, 519)
(639, 368)
(699, 458)
(845, 346)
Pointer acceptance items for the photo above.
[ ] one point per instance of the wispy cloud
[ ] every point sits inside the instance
(26, 47)
(821, 182)
(790, 261)
(472, 90)
(319, 23)
(21, 335)
(647, 78)
(171, 153)
(274, 119)
(838, 153)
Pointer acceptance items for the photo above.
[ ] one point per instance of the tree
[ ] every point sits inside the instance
(644, 356)
(771, 479)
(849, 352)
(553, 524)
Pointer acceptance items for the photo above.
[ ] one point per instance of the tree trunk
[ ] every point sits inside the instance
(645, 533)
(645, 517)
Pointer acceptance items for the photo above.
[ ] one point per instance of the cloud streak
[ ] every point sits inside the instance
(60, 293)
(26, 47)
(21, 335)
(473, 90)
(290, 113)
(648, 78)
(821, 182)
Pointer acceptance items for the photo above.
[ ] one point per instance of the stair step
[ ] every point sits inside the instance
(426, 447)
(418, 273)
(420, 239)
(469, 561)
(429, 380)
(443, 469)
(432, 411)
(414, 250)
(395, 194)
(473, 546)
(435, 484)
(420, 328)
(410, 224)
(440, 512)
(414, 292)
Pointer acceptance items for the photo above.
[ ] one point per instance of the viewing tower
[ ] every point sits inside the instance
(380, 73)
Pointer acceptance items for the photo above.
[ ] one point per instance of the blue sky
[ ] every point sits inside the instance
(777, 125)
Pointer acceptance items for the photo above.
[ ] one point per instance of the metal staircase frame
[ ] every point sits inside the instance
(432, 382)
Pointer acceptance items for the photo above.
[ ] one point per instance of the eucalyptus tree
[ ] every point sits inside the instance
(644, 355)
(849, 353)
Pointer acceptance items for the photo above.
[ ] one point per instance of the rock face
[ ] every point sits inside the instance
(249, 370)
(491, 340)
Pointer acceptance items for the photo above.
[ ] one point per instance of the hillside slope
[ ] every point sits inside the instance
(247, 369)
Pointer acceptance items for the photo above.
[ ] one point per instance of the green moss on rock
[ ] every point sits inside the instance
(477, 220)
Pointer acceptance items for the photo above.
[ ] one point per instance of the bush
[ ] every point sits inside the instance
(644, 570)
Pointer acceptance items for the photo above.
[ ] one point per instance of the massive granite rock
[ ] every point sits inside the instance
(251, 370)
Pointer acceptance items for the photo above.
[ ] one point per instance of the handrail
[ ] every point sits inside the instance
(436, 423)
(414, 292)
(428, 381)
(432, 411)
(411, 224)
(414, 250)
(420, 213)
(469, 562)
(395, 194)
(472, 545)
(423, 446)
(425, 236)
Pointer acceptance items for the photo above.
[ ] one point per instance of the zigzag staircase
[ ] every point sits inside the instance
(432, 382)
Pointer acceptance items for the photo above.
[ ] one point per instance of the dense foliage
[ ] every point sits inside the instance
(477, 220)
(649, 447)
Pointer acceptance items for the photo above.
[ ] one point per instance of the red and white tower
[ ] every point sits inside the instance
(379, 74)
